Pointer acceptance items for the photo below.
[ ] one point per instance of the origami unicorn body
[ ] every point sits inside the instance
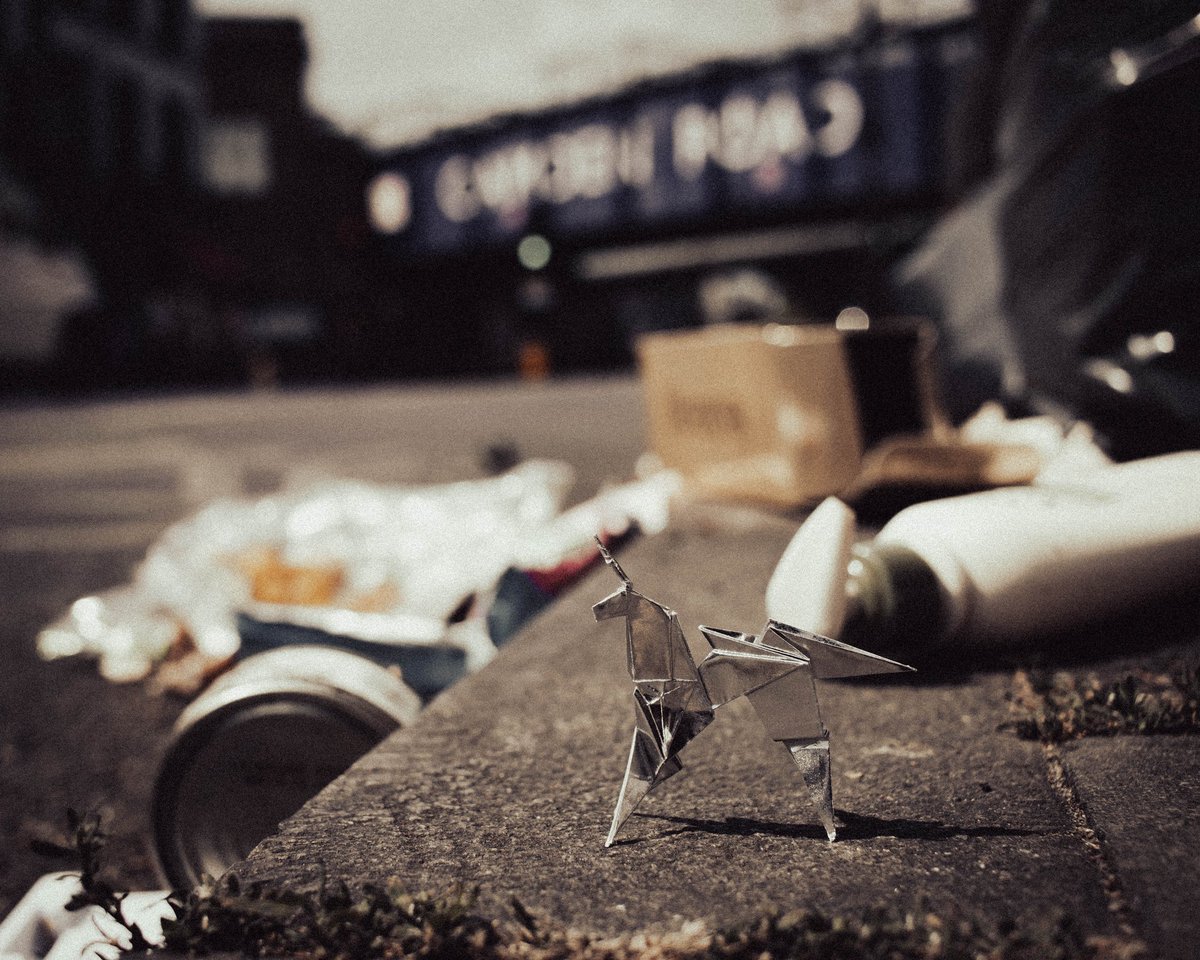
(675, 699)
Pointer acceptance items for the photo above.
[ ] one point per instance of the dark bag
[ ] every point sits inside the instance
(1068, 280)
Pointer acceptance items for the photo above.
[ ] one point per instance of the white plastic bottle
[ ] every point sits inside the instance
(1004, 565)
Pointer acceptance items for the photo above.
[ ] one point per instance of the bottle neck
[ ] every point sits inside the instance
(894, 601)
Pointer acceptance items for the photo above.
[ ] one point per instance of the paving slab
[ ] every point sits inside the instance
(509, 780)
(1141, 795)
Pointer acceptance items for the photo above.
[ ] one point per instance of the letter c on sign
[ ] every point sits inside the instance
(845, 108)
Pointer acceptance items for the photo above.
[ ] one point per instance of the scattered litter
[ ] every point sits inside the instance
(1063, 452)
(381, 566)
(40, 927)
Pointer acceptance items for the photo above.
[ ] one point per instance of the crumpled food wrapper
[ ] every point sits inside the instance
(384, 564)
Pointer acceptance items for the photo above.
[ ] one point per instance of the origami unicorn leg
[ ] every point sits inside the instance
(664, 726)
(671, 705)
(641, 776)
(811, 756)
(778, 681)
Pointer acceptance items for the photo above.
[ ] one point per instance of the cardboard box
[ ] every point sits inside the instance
(783, 413)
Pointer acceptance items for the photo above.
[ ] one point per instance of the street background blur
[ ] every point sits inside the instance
(246, 244)
(237, 193)
(245, 193)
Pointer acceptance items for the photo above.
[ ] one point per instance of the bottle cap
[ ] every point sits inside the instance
(808, 588)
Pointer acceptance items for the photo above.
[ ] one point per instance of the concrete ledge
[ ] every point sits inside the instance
(1141, 795)
(510, 777)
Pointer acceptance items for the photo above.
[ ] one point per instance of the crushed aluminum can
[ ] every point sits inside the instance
(259, 743)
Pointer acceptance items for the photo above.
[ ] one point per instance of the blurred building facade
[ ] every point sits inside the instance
(235, 236)
(767, 188)
(101, 108)
(220, 221)
(97, 90)
(283, 246)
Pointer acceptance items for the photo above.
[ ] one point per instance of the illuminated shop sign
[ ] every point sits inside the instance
(818, 129)
(588, 162)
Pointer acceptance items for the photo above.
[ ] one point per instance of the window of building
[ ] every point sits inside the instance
(72, 8)
(123, 16)
(176, 142)
(237, 156)
(12, 27)
(126, 131)
(173, 26)
(67, 125)
(23, 22)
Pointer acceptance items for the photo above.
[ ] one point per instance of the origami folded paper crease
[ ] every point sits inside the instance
(675, 699)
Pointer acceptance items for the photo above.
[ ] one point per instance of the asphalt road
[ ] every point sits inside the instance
(85, 489)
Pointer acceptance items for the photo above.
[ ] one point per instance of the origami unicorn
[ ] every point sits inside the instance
(674, 699)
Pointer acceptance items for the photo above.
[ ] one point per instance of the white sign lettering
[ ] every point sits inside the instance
(587, 162)
(744, 133)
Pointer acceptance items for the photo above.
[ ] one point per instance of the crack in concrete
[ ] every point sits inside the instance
(1063, 785)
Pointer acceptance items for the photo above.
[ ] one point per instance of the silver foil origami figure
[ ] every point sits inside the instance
(674, 700)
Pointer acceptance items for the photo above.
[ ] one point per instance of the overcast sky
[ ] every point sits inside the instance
(396, 70)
